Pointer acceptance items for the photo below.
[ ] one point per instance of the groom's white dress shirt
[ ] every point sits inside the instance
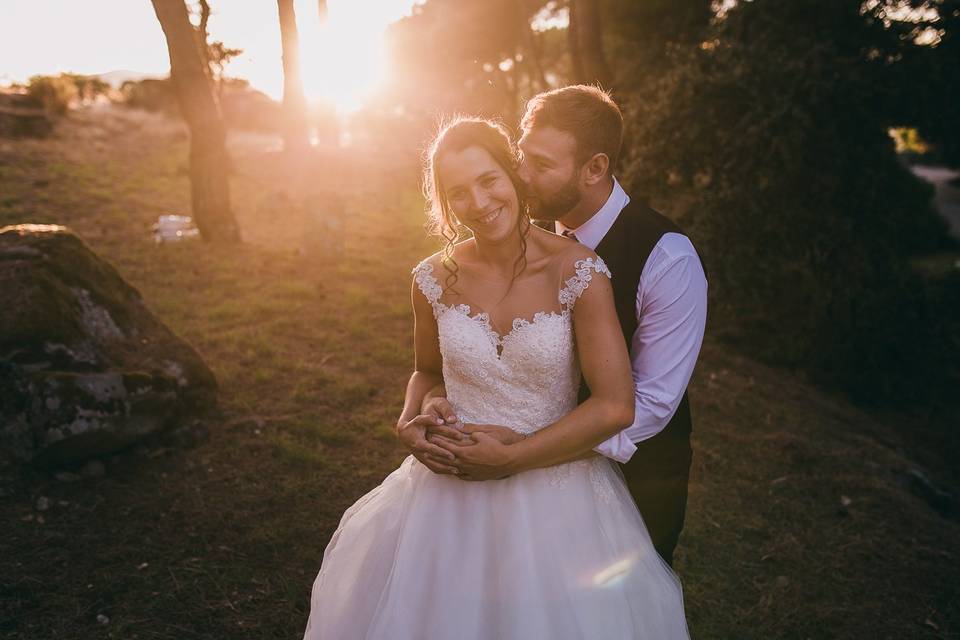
(671, 317)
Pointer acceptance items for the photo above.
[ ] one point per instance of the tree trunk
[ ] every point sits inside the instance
(573, 43)
(296, 129)
(531, 46)
(585, 40)
(202, 31)
(209, 163)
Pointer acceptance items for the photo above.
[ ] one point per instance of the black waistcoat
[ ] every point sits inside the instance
(625, 248)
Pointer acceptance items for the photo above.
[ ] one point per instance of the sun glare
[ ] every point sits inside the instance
(343, 58)
(343, 61)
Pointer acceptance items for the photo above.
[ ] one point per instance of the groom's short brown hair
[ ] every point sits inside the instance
(586, 112)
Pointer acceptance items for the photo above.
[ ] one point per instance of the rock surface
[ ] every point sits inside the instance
(85, 368)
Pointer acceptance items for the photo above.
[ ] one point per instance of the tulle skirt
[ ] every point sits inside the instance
(558, 553)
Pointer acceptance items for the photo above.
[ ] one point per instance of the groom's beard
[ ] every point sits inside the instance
(557, 205)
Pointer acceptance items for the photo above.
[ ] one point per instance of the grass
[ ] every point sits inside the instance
(800, 524)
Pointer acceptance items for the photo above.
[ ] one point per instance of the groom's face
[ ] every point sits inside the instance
(548, 167)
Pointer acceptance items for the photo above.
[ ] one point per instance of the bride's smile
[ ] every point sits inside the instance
(490, 217)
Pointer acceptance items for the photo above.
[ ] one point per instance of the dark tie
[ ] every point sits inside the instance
(570, 234)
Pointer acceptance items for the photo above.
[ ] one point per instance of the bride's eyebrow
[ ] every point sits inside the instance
(490, 173)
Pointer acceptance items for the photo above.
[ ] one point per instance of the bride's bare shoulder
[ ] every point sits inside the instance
(461, 251)
(563, 252)
(549, 244)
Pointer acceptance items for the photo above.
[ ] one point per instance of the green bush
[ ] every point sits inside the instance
(53, 93)
(150, 94)
(771, 143)
(89, 88)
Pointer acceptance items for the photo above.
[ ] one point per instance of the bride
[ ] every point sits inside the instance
(508, 320)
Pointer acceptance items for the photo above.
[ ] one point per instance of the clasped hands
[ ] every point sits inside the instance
(470, 451)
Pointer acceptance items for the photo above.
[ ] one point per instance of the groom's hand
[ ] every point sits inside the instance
(413, 435)
(505, 435)
(484, 457)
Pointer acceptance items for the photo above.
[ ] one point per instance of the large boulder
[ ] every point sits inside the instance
(85, 368)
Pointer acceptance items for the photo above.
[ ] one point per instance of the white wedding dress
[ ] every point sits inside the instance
(552, 554)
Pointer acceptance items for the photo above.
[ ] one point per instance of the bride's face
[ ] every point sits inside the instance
(479, 192)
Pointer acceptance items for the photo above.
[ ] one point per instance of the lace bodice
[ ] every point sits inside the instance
(527, 378)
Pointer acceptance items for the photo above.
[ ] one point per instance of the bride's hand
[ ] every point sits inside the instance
(413, 435)
(440, 407)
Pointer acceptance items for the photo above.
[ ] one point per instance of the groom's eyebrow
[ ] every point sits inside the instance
(539, 158)
(527, 153)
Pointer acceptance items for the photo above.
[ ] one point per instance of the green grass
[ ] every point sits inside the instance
(312, 356)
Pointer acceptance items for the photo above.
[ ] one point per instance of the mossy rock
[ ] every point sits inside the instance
(85, 368)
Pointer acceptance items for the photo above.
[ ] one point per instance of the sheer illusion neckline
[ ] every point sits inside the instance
(566, 296)
(482, 319)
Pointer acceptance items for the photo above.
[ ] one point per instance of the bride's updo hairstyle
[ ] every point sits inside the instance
(456, 135)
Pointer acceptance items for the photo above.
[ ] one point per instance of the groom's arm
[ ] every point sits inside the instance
(671, 308)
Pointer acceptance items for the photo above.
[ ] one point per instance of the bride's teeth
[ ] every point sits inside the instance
(490, 216)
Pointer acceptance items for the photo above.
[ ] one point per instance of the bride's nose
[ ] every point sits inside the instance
(479, 199)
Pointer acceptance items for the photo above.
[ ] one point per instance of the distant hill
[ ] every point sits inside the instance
(117, 78)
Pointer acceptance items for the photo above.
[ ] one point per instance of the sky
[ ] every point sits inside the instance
(97, 36)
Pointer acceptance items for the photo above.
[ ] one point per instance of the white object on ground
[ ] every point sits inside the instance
(173, 228)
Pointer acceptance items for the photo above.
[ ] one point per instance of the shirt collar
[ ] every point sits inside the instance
(591, 232)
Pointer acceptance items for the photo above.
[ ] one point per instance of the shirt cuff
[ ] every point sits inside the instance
(619, 448)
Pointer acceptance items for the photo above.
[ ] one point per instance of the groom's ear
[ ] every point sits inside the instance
(596, 168)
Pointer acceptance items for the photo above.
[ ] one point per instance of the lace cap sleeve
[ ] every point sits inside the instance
(428, 285)
(583, 274)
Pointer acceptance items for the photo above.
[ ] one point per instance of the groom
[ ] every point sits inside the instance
(570, 141)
